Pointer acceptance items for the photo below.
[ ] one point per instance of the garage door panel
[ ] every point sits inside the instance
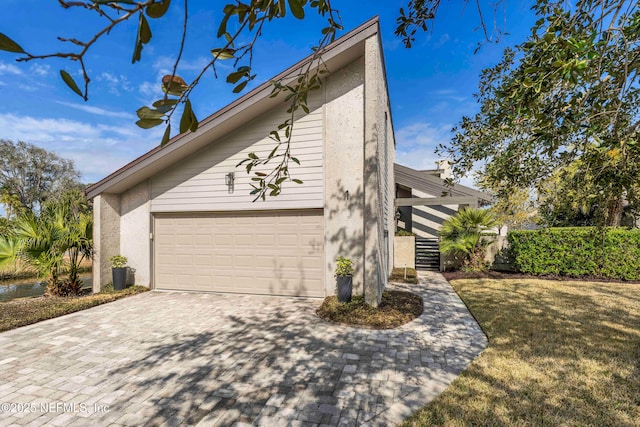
(270, 252)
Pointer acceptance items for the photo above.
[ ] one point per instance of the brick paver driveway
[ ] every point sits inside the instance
(180, 358)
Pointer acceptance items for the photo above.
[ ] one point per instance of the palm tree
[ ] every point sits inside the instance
(56, 241)
(9, 248)
(461, 236)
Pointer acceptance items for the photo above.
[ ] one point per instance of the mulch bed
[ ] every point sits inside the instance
(395, 309)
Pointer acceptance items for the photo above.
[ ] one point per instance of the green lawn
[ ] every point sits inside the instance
(25, 311)
(560, 353)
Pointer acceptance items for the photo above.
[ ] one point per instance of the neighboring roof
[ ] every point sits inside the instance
(335, 56)
(428, 183)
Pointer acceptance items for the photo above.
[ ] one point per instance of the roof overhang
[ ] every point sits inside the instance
(335, 56)
(428, 183)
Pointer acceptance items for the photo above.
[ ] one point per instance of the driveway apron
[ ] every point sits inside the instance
(163, 358)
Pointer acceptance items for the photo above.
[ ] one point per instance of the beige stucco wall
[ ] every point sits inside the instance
(378, 174)
(344, 188)
(106, 236)
(404, 250)
(135, 229)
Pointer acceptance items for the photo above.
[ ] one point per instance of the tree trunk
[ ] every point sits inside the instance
(614, 212)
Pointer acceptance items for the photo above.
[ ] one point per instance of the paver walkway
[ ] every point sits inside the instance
(181, 358)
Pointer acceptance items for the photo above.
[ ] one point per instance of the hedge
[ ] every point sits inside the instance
(612, 253)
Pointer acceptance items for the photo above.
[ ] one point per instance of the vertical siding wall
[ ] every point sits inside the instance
(426, 221)
(198, 183)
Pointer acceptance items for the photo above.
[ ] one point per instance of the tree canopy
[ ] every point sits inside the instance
(568, 94)
(238, 26)
(30, 175)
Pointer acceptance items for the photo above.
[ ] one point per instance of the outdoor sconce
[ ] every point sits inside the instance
(229, 179)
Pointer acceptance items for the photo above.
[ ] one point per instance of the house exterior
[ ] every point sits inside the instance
(424, 201)
(172, 214)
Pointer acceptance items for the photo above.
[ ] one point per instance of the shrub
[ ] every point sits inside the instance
(344, 266)
(612, 253)
(461, 237)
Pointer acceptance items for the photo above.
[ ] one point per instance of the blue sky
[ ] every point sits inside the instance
(431, 85)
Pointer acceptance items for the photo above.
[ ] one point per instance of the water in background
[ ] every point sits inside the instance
(12, 289)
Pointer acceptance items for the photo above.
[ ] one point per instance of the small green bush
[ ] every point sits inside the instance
(403, 232)
(344, 266)
(612, 253)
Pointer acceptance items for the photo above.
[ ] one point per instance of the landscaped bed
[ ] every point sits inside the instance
(560, 353)
(395, 309)
(26, 311)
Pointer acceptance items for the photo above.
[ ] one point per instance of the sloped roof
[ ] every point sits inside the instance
(338, 54)
(428, 183)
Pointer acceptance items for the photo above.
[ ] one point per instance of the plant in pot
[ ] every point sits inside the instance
(118, 271)
(344, 277)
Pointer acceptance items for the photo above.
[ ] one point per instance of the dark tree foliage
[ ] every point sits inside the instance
(567, 96)
(30, 175)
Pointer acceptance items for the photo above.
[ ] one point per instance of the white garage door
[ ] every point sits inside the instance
(269, 252)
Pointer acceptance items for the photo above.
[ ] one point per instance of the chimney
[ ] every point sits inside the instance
(444, 167)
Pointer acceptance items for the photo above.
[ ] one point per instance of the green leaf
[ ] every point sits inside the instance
(145, 30)
(235, 76)
(222, 29)
(167, 136)
(186, 121)
(241, 86)
(194, 120)
(9, 45)
(294, 159)
(296, 9)
(223, 53)
(143, 36)
(157, 10)
(148, 113)
(70, 82)
(165, 103)
(297, 181)
(164, 109)
(149, 123)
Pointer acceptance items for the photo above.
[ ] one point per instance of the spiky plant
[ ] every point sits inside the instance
(461, 236)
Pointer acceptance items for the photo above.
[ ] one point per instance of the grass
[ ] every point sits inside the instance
(398, 275)
(560, 353)
(26, 311)
(395, 309)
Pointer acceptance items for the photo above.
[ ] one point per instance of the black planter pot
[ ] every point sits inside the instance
(119, 276)
(345, 288)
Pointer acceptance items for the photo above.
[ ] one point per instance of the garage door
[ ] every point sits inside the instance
(269, 253)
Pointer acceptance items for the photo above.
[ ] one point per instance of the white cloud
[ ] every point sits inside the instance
(9, 69)
(97, 110)
(423, 134)
(96, 149)
(115, 83)
(416, 145)
(166, 63)
(150, 89)
(442, 40)
(40, 69)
